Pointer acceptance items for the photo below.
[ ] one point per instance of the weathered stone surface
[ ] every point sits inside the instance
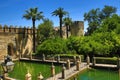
(15, 43)
(19, 40)
(77, 28)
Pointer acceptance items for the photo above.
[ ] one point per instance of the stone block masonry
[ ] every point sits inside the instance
(12, 41)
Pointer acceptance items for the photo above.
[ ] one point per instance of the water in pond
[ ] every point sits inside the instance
(98, 74)
(21, 68)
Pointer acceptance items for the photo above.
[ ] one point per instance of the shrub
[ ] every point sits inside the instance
(52, 46)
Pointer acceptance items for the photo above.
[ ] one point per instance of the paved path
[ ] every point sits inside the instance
(71, 72)
(105, 65)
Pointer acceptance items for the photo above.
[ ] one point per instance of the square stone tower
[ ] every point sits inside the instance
(77, 28)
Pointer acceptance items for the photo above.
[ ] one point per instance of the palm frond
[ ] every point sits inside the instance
(67, 21)
(33, 14)
(28, 17)
(59, 12)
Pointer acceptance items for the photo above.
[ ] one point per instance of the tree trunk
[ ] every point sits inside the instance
(34, 46)
(61, 27)
(67, 31)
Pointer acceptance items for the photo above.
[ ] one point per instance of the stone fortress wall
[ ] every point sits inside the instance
(15, 41)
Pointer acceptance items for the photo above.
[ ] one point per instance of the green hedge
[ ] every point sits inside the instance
(108, 60)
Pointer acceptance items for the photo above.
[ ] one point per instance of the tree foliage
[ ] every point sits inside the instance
(102, 44)
(110, 24)
(60, 12)
(105, 41)
(52, 46)
(96, 16)
(45, 30)
(98, 44)
(67, 22)
(104, 27)
(33, 14)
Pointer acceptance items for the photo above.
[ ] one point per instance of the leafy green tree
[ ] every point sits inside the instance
(45, 30)
(73, 44)
(60, 12)
(105, 41)
(107, 11)
(93, 20)
(96, 16)
(33, 14)
(110, 24)
(68, 22)
(85, 47)
(101, 44)
(52, 46)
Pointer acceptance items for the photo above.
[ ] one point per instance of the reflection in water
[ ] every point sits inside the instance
(119, 74)
(1, 71)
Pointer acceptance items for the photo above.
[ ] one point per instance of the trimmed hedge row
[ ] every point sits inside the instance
(105, 60)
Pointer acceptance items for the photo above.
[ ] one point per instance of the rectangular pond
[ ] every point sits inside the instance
(21, 67)
(98, 74)
(20, 70)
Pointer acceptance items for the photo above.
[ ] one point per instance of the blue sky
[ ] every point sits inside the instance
(12, 10)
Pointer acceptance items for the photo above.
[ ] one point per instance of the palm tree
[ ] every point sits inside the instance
(60, 12)
(67, 22)
(33, 14)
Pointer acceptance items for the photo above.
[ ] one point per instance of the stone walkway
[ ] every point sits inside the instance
(105, 65)
(71, 72)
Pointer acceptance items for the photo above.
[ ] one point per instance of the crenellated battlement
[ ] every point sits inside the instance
(16, 30)
(14, 40)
